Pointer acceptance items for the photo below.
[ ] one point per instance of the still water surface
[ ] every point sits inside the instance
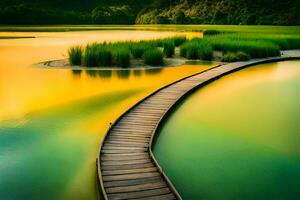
(52, 121)
(238, 137)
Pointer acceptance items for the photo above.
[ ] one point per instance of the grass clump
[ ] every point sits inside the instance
(242, 56)
(211, 32)
(121, 57)
(75, 55)
(234, 57)
(169, 48)
(98, 55)
(138, 49)
(153, 57)
(233, 43)
(197, 49)
(179, 40)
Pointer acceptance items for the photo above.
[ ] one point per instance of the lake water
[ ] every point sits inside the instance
(238, 137)
(52, 120)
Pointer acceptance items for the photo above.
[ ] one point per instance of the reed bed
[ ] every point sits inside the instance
(121, 53)
(197, 49)
(75, 55)
(169, 48)
(234, 46)
(153, 57)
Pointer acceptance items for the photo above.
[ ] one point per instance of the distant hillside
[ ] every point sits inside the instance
(275, 12)
(268, 12)
(70, 11)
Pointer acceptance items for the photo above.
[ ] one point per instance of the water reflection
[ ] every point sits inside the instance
(123, 74)
(105, 74)
(77, 73)
(154, 71)
(120, 74)
(138, 72)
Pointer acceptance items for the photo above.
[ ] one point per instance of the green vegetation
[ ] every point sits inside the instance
(255, 48)
(153, 57)
(169, 48)
(234, 46)
(70, 11)
(179, 40)
(234, 57)
(275, 12)
(121, 57)
(210, 32)
(197, 49)
(120, 53)
(75, 55)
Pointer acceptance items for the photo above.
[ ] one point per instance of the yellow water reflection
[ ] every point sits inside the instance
(52, 120)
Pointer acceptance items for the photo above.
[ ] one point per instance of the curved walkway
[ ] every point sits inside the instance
(127, 168)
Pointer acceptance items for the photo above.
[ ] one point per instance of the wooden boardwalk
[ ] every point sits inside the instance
(127, 168)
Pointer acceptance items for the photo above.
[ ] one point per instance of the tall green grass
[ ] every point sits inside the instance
(75, 55)
(98, 55)
(211, 32)
(197, 49)
(153, 57)
(235, 43)
(121, 57)
(169, 48)
(179, 40)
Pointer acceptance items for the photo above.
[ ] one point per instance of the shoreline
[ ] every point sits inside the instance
(170, 62)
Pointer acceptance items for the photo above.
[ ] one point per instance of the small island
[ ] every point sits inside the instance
(215, 45)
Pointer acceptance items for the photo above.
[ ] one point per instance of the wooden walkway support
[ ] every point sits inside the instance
(126, 166)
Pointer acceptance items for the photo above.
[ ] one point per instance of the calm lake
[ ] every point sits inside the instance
(52, 120)
(238, 137)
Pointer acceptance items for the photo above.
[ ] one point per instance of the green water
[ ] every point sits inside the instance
(238, 137)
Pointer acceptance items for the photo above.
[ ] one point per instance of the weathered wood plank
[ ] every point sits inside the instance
(131, 176)
(169, 196)
(119, 167)
(129, 171)
(132, 182)
(124, 158)
(132, 188)
(139, 194)
(126, 162)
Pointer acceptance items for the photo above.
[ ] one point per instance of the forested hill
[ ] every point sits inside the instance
(268, 12)
(70, 11)
(276, 12)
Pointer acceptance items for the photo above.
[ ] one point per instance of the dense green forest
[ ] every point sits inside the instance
(267, 12)
(275, 12)
(70, 11)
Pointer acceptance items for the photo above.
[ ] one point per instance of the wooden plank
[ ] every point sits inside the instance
(132, 182)
(125, 154)
(119, 158)
(114, 151)
(140, 194)
(133, 188)
(128, 138)
(138, 121)
(129, 171)
(131, 134)
(130, 130)
(131, 176)
(159, 197)
(127, 143)
(126, 162)
(123, 147)
(119, 167)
